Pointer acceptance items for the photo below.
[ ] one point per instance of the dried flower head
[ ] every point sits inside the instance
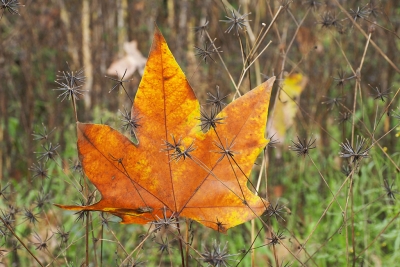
(341, 79)
(329, 19)
(216, 100)
(4, 232)
(178, 149)
(346, 169)
(272, 142)
(72, 78)
(312, 4)
(41, 244)
(9, 5)
(275, 238)
(42, 199)
(30, 216)
(390, 192)
(8, 219)
(43, 135)
(39, 170)
(225, 150)
(207, 51)
(62, 234)
(332, 102)
(164, 245)
(275, 211)
(217, 256)
(211, 120)
(374, 9)
(237, 21)
(344, 117)
(3, 191)
(13, 211)
(359, 152)
(201, 29)
(120, 83)
(76, 166)
(165, 222)
(49, 153)
(380, 94)
(70, 83)
(84, 213)
(130, 122)
(105, 219)
(302, 148)
(360, 13)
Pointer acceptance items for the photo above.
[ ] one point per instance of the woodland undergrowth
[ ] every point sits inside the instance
(331, 178)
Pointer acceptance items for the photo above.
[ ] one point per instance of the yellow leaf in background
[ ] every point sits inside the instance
(286, 107)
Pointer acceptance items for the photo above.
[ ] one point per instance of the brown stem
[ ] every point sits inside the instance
(180, 244)
(20, 241)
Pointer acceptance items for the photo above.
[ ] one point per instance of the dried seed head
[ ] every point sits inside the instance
(332, 102)
(272, 142)
(207, 51)
(9, 5)
(178, 149)
(217, 256)
(390, 192)
(302, 148)
(165, 222)
(237, 21)
(216, 100)
(360, 13)
(49, 153)
(41, 244)
(201, 29)
(30, 216)
(359, 152)
(380, 94)
(43, 135)
(275, 238)
(211, 120)
(39, 170)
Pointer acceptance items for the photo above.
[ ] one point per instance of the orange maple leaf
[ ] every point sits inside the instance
(176, 169)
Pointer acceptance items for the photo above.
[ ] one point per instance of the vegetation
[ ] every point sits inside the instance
(331, 178)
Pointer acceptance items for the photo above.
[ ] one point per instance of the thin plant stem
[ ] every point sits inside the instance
(326, 183)
(20, 241)
(225, 67)
(87, 239)
(275, 256)
(101, 245)
(269, 123)
(187, 240)
(354, 107)
(180, 244)
(137, 247)
(380, 233)
(351, 191)
(345, 57)
(254, 49)
(345, 216)
(325, 211)
(380, 26)
(248, 67)
(353, 235)
(366, 36)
